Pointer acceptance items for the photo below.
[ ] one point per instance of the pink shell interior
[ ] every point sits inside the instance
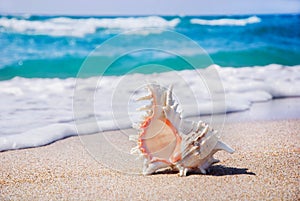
(159, 140)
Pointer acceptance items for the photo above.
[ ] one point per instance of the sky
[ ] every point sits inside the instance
(148, 7)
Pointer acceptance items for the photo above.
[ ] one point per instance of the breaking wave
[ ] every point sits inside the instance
(42, 108)
(226, 21)
(65, 26)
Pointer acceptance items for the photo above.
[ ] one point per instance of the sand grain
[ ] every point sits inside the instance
(265, 166)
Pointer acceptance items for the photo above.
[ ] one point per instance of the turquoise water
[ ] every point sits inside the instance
(46, 110)
(56, 46)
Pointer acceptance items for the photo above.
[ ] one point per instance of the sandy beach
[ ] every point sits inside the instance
(78, 79)
(265, 166)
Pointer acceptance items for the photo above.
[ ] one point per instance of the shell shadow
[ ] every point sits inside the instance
(215, 170)
(220, 170)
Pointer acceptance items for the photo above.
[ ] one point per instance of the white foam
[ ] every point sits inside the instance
(64, 26)
(226, 21)
(36, 137)
(36, 112)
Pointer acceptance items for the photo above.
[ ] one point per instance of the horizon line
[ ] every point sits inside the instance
(141, 15)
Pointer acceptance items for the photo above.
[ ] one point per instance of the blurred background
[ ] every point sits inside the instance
(49, 39)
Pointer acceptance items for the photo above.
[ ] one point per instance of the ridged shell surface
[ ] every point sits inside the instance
(165, 140)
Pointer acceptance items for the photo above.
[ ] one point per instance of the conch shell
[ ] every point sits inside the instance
(165, 140)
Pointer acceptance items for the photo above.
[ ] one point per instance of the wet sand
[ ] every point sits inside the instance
(265, 166)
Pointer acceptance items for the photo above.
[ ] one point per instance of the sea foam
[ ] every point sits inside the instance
(36, 112)
(64, 26)
(226, 21)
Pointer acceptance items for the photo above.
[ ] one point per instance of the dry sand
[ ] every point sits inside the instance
(265, 166)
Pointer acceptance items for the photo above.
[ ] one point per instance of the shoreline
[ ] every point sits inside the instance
(287, 108)
(264, 166)
(272, 110)
(44, 113)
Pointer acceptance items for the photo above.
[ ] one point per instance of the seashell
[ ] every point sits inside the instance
(165, 140)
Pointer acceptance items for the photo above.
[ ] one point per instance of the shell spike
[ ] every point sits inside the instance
(147, 97)
(134, 150)
(136, 126)
(222, 146)
(145, 107)
(213, 160)
(183, 171)
(175, 106)
(133, 138)
(153, 167)
(169, 100)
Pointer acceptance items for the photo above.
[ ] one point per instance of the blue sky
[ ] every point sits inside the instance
(149, 7)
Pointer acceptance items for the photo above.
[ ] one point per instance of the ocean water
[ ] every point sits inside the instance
(56, 46)
(242, 60)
